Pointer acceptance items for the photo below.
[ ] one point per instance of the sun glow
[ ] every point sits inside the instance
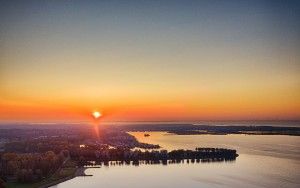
(96, 114)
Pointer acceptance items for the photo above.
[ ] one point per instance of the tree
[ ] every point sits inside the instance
(9, 156)
(2, 183)
(12, 167)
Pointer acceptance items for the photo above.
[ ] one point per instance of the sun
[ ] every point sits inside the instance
(96, 114)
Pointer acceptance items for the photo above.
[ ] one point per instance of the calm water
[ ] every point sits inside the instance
(264, 161)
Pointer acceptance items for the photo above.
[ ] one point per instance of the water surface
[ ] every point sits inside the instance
(264, 161)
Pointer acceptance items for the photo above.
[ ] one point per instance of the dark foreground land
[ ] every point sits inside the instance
(40, 156)
(43, 156)
(47, 169)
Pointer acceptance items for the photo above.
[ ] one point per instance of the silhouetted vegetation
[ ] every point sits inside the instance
(123, 154)
(29, 167)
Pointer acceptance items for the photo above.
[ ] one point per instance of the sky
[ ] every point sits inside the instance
(149, 60)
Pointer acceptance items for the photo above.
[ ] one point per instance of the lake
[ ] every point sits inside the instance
(264, 161)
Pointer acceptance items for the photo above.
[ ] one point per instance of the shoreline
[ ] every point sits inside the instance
(80, 171)
(57, 182)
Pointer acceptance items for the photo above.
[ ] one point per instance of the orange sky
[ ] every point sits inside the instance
(219, 106)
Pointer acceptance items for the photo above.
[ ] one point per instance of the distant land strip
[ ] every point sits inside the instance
(190, 129)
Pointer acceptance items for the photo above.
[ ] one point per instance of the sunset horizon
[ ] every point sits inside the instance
(187, 63)
(149, 93)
